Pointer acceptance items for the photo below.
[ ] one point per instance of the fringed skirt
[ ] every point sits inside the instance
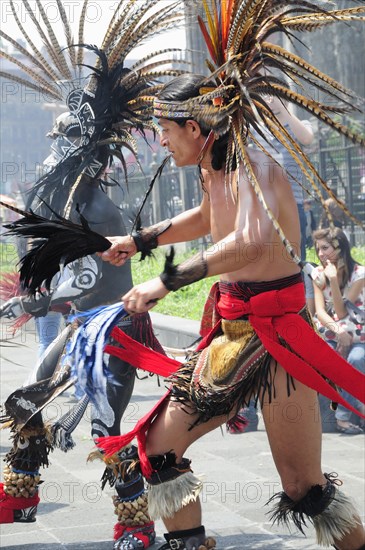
(227, 374)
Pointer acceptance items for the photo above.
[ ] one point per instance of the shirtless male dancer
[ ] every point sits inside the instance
(265, 284)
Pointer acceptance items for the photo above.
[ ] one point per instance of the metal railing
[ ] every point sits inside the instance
(341, 164)
(175, 191)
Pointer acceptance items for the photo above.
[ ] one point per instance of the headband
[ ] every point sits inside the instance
(169, 109)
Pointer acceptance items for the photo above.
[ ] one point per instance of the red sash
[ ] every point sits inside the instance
(275, 313)
(144, 358)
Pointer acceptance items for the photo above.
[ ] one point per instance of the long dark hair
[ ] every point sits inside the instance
(184, 87)
(337, 238)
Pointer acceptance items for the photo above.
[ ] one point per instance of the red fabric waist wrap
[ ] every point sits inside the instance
(273, 314)
(8, 504)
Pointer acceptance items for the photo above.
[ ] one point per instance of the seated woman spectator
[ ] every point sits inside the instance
(339, 301)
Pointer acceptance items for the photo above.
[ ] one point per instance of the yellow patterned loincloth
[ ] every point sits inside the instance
(226, 374)
(230, 356)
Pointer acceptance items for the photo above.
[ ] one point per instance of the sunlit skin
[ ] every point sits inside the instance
(182, 142)
(235, 219)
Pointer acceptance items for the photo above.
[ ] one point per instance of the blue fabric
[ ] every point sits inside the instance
(308, 283)
(303, 229)
(85, 352)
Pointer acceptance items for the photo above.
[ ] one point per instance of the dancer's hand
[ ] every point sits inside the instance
(37, 306)
(277, 106)
(121, 250)
(145, 296)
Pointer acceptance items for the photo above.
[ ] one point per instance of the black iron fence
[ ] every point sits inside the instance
(341, 164)
(175, 191)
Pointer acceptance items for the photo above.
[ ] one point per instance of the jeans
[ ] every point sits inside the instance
(356, 358)
(48, 328)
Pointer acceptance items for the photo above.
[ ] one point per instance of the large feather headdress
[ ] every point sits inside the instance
(246, 67)
(104, 103)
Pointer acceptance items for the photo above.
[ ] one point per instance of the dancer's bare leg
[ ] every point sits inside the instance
(295, 434)
(169, 432)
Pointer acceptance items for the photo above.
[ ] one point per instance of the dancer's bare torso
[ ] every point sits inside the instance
(237, 209)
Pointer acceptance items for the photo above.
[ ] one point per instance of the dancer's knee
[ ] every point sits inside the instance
(295, 486)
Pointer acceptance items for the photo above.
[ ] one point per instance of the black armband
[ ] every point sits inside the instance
(186, 273)
(146, 238)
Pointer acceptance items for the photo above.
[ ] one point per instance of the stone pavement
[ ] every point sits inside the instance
(239, 478)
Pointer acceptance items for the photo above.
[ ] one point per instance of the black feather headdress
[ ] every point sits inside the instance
(104, 103)
(105, 106)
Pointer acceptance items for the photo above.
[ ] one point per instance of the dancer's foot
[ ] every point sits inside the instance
(189, 539)
(25, 515)
(136, 538)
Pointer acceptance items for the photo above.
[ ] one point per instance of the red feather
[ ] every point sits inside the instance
(226, 19)
(207, 39)
(9, 287)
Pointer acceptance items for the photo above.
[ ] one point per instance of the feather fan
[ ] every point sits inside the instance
(55, 243)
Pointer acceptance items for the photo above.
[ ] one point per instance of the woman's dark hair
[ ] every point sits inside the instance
(185, 87)
(337, 238)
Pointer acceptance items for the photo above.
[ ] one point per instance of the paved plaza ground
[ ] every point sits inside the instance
(239, 478)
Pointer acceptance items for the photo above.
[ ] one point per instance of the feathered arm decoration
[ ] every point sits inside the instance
(56, 243)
